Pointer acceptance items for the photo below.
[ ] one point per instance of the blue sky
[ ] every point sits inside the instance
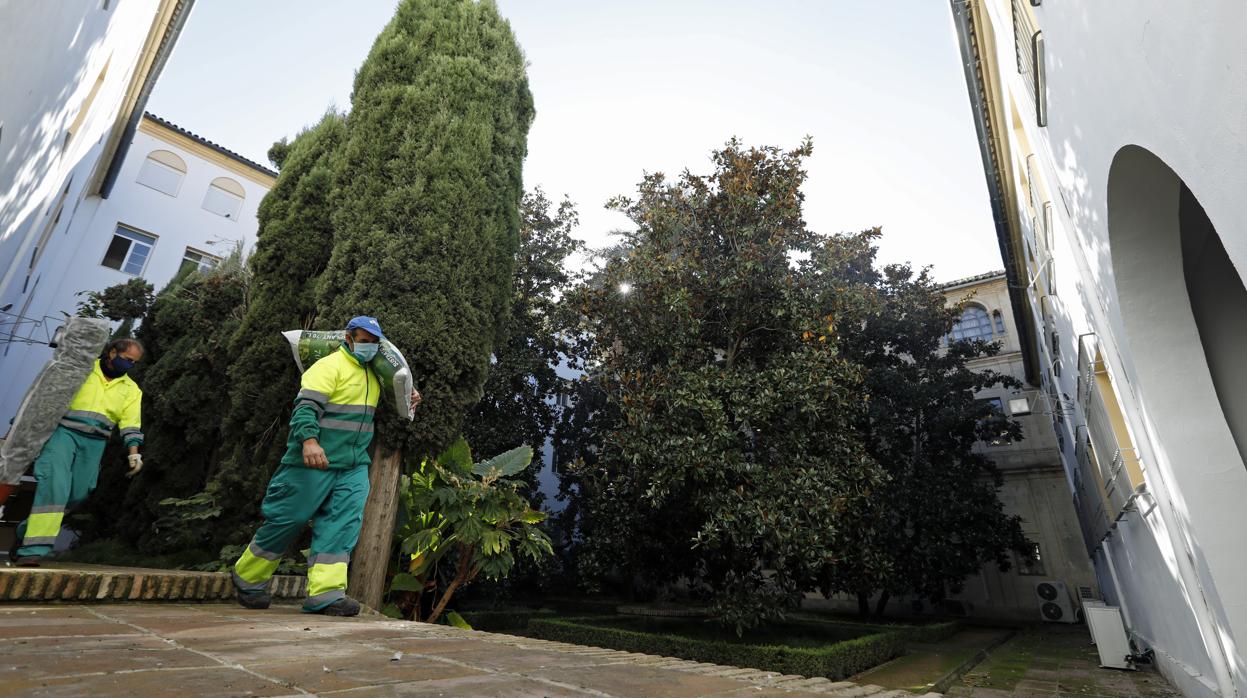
(626, 87)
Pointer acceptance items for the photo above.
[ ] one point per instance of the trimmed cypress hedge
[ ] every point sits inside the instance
(834, 661)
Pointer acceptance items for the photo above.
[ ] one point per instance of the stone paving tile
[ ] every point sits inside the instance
(648, 682)
(43, 665)
(767, 692)
(62, 645)
(55, 629)
(498, 658)
(360, 670)
(219, 681)
(484, 686)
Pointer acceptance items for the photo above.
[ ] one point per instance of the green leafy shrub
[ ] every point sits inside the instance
(474, 515)
(833, 661)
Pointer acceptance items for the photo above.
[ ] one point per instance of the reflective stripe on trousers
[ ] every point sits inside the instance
(254, 569)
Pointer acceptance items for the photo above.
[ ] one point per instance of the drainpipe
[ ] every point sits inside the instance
(1112, 574)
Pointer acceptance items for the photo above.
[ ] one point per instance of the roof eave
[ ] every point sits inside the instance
(970, 62)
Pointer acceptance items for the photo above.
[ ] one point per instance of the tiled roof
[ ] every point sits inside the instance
(971, 279)
(217, 147)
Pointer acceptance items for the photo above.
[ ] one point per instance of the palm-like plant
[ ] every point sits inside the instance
(473, 514)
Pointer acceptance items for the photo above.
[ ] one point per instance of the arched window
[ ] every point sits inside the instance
(162, 171)
(224, 197)
(974, 324)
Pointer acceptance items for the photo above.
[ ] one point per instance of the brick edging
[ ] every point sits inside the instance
(106, 586)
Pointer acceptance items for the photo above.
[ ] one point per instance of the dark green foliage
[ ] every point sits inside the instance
(517, 405)
(834, 661)
(427, 226)
(733, 451)
(186, 363)
(938, 518)
(118, 553)
(295, 238)
(126, 302)
(277, 153)
(499, 621)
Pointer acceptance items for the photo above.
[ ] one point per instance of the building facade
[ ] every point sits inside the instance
(178, 201)
(75, 77)
(1035, 486)
(1113, 142)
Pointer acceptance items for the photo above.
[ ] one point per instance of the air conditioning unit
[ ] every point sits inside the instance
(1054, 603)
(1109, 635)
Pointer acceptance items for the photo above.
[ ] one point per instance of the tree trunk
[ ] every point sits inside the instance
(371, 558)
(464, 574)
(881, 604)
(863, 604)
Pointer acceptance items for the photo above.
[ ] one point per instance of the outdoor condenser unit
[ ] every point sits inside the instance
(1109, 635)
(1054, 603)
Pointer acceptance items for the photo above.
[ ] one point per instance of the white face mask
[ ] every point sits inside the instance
(365, 351)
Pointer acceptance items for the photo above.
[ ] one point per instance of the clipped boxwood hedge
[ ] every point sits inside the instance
(833, 661)
(931, 632)
(501, 621)
(924, 633)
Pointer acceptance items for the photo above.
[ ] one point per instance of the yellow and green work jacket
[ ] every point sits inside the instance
(335, 406)
(102, 404)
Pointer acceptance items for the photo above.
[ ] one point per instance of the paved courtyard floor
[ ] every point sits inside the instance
(150, 649)
(1049, 661)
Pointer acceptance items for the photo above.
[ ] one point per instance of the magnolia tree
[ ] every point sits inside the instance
(733, 453)
(937, 519)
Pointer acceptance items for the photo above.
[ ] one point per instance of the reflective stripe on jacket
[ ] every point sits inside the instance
(102, 405)
(335, 405)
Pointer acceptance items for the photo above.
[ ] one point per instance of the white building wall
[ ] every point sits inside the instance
(1171, 78)
(74, 264)
(52, 55)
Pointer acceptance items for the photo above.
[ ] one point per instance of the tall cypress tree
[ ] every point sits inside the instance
(185, 333)
(427, 224)
(295, 239)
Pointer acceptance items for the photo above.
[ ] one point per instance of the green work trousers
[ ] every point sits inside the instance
(66, 470)
(334, 502)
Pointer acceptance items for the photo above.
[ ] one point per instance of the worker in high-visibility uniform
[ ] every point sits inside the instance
(68, 467)
(323, 477)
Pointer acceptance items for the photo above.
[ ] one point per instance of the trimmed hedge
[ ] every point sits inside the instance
(834, 661)
(498, 621)
(931, 632)
(924, 633)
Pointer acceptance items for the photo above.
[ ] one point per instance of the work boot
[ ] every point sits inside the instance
(28, 561)
(345, 607)
(256, 600)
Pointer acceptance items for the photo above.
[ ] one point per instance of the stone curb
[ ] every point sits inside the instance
(109, 586)
(756, 677)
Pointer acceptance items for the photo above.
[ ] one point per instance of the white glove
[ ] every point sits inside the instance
(136, 464)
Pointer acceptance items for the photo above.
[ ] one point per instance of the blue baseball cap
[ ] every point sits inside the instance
(364, 322)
